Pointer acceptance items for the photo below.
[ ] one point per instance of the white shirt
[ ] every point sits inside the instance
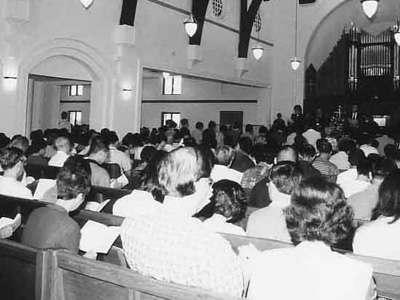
(220, 172)
(341, 160)
(346, 176)
(137, 202)
(11, 187)
(120, 158)
(58, 159)
(378, 238)
(308, 271)
(353, 187)
(367, 149)
(218, 223)
(312, 136)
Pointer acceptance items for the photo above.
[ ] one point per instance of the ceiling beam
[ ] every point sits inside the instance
(128, 12)
(199, 9)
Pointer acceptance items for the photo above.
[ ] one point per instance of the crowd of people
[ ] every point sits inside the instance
(308, 182)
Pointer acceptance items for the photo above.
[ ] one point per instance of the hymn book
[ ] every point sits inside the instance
(97, 237)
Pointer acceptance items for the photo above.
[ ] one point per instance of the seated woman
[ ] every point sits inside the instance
(317, 219)
(380, 237)
(50, 227)
(229, 203)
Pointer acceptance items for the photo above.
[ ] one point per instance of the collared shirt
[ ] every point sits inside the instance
(11, 187)
(50, 227)
(308, 271)
(58, 159)
(354, 186)
(364, 202)
(138, 202)
(218, 223)
(378, 238)
(312, 136)
(120, 158)
(341, 160)
(220, 172)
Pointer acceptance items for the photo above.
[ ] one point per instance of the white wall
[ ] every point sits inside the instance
(84, 106)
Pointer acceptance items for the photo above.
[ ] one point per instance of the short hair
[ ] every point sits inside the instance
(9, 157)
(224, 155)
(249, 128)
(212, 125)
(319, 212)
(356, 156)
(324, 146)
(246, 145)
(112, 137)
(389, 198)
(382, 167)
(199, 125)
(98, 144)
(64, 115)
(20, 142)
(390, 150)
(287, 153)
(147, 153)
(184, 122)
(229, 200)
(285, 176)
(308, 150)
(346, 144)
(364, 167)
(36, 147)
(62, 142)
(179, 170)
(73, 178)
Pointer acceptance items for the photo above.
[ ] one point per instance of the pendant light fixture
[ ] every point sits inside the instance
(258, 49)
(190, 25)
(396, 31)
(86, 3)
(370, 7)
(295, 62)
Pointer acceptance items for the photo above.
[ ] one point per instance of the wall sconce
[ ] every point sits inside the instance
(86, 3)
(10, 73)
(295, 62)
(126, 92)
(190, 25)
(370, 7)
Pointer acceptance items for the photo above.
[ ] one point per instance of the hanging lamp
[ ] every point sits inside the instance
(295, 62)
(370, 7)
(190, 25)
(396, 31)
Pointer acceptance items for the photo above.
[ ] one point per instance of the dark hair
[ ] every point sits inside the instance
(229, 200)
(20, 142)
(36, 147)
(199, 125)
(73, 178)
(382, 167)
(147, 153)
(286, 176)
(184, 122)
(389, 198)
(324, 146)
(246, 145)
(319, 212)
(308, 150)
(364, 167)
(98, 144)
(9, 157)
(64, 115)
(356, 156)
(346, 144)
(390, 150)
(249, 128)
(112, 137)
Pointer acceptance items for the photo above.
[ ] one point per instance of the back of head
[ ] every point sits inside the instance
(224, 155)
(20, 142)
(308, 152)
(229, 200)
(212, 125)
(249, 128)
(112, 138)
(389, 197)
(9, 157)
(287, 153)
(285, 176)
(199, 125)
(73, 178)
(390, 150)
(147, 153)
(246, 145)
(346, 145)
(98, 144)
(324, 146)
(364, 167)
(319, 212)
(179, 170)
(63, 144)
(382, 167)
(356, 156)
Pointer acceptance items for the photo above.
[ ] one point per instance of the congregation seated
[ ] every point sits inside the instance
(224, 156)
(116, 156)
(50, 227)
(327, 169)
(341, 158)
(379, 237)
(242, 161)
(269, 222)
(35, 154)
(63, 146)
(98, 154)
(12, 162)
(229, 207)
(307, 154)
(317, 219)
(362, 180)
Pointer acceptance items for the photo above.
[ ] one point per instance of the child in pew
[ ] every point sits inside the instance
(228, 207)
(50, 227)
(317, 219)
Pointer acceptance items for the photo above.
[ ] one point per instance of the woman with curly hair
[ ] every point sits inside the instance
(317, 219)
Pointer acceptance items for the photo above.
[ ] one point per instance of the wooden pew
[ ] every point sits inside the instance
(22, 271)
(38, 171)
(74, 277)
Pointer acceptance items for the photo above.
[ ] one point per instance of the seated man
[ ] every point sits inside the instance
(98, 154)
(269, 222)
(328, 170)
(361, 182)
(224, 156)
(116, 156)
(50, 227)
(63, 147)
(12, 163)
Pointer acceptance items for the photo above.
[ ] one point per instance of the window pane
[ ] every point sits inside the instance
(167, 84)
(176, 118)
(78, 119)
(72, 90)
(177, 88)
(80, 90)
(72, 117)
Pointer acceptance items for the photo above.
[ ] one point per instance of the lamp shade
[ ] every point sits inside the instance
(370, 7)
(397, 36)
(258, 51)
(295, 63)
(190, 25)
(86, 3)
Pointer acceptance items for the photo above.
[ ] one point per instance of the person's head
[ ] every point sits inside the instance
(184, 123)
(364, 169)
(99, 150)
(318, 212)
(229, 200)
(356, 156)
(64, 115)
(279, 115)
(147, 153)
(73, 182)
(324, 147)
(287, 153)
(389, 198)
(63, 144)
(297, 109)
(180, 170)
(4, 140)
(20, 142)
(390, 150)
(346, 145)
(308, 152)
(261, 153)
(246, 145)
(382, 167)
(285, 176)
(199, 125)
(12, 162)
(212, 125)
(112, 138)
(354, 108)
(37, 148)
(249, 128)
(224, 155)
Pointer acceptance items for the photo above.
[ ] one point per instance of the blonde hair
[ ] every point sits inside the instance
(62, 143)
(179, 170)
